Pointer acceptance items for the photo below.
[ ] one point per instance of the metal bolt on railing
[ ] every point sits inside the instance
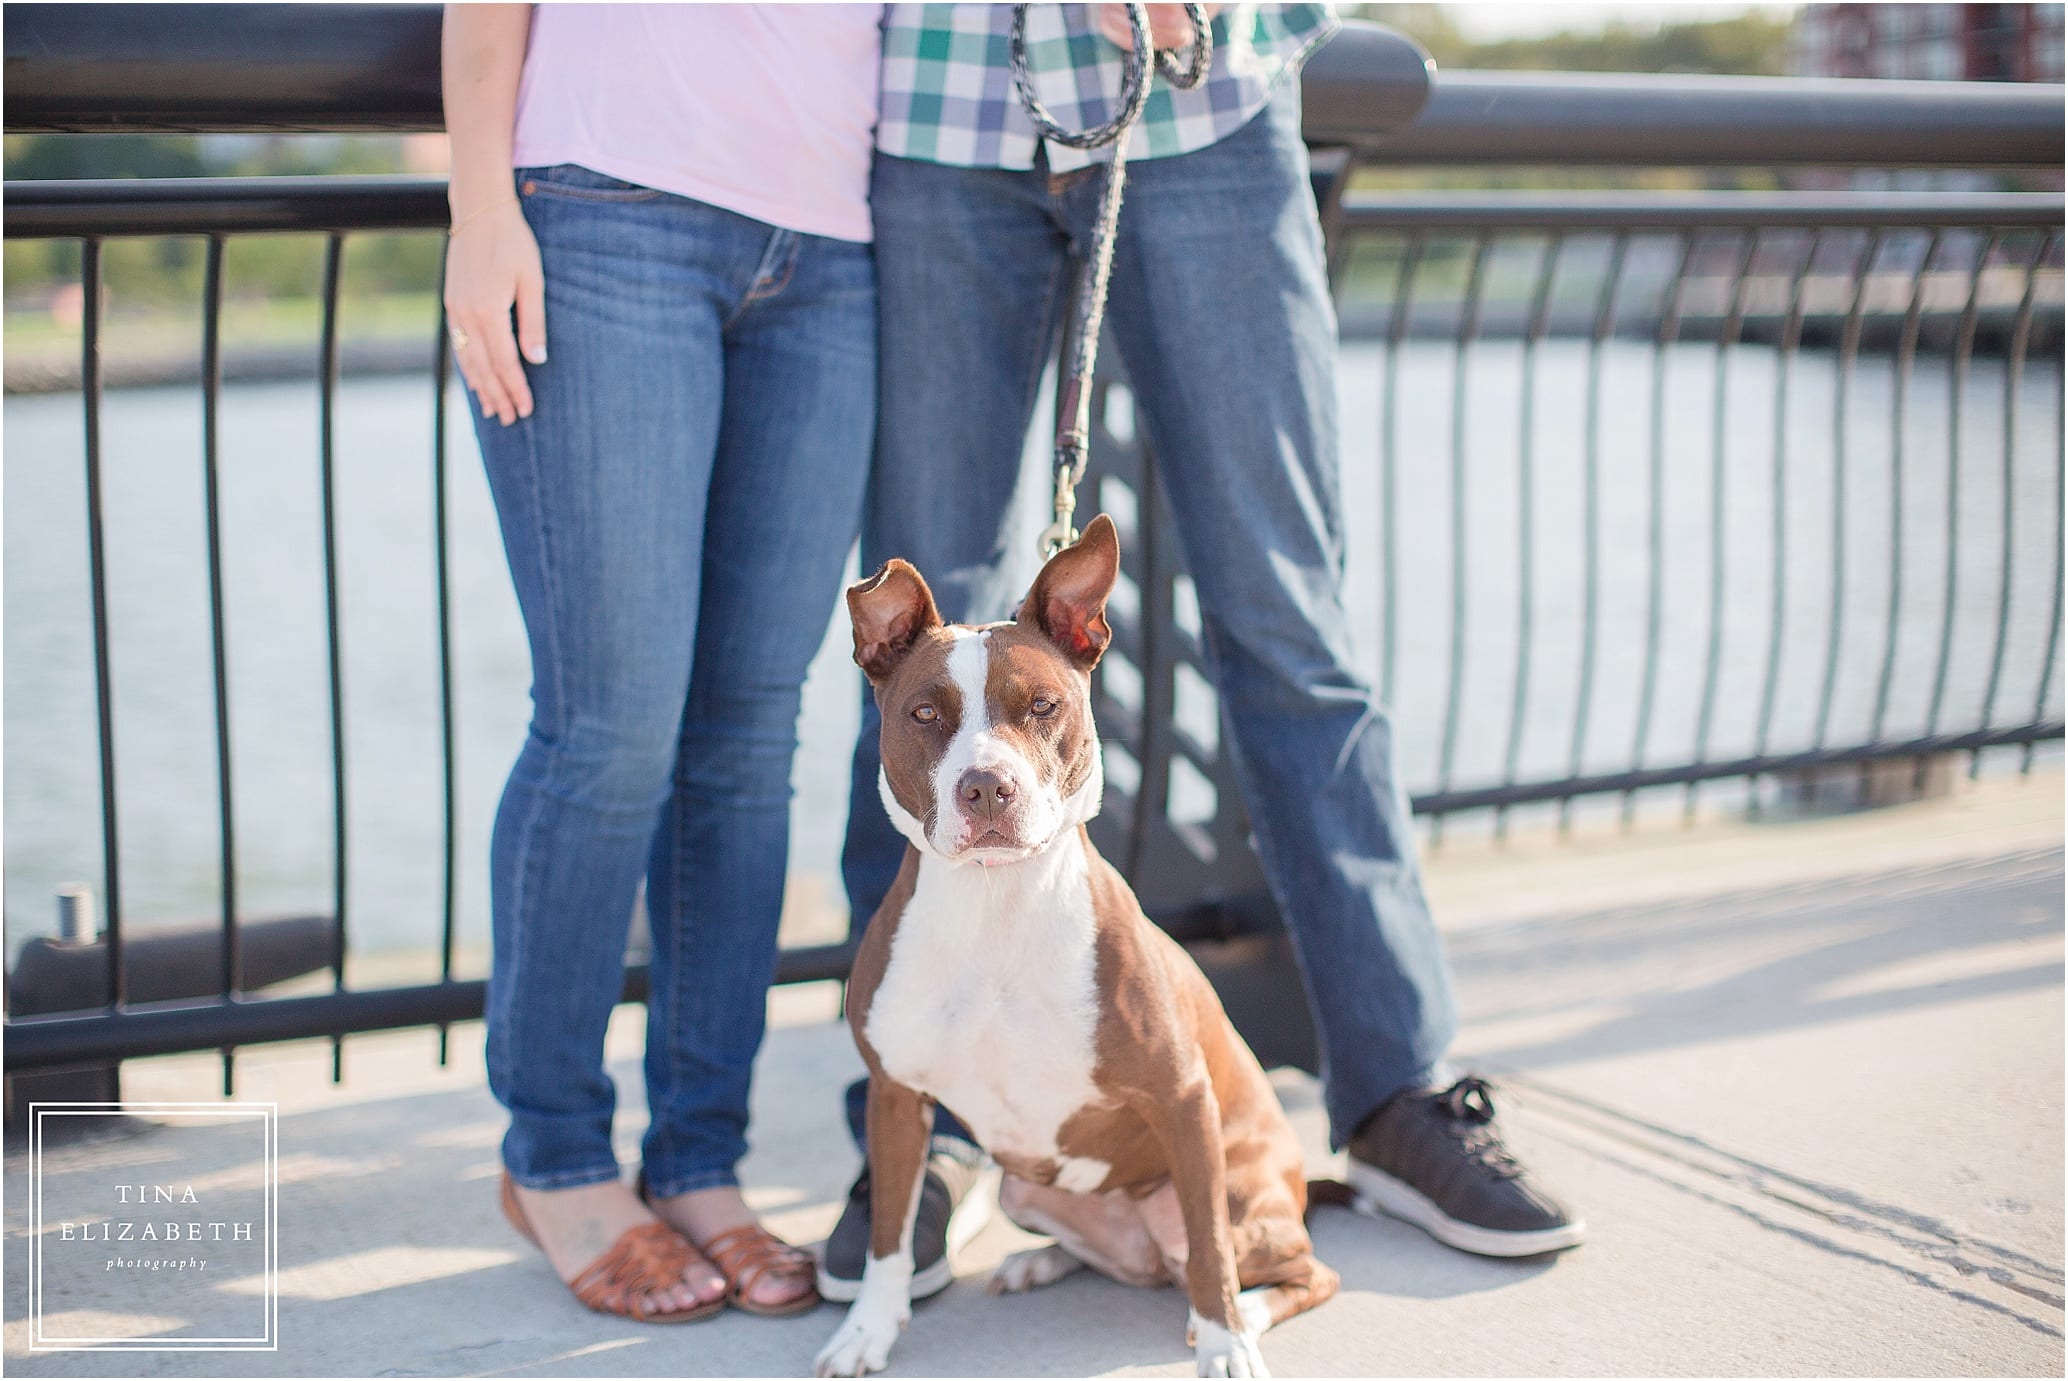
(75, 914)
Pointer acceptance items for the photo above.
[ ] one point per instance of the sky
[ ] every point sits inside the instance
(1484, 22)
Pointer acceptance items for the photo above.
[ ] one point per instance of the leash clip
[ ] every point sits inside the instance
(1063, 531)
(1056, 536)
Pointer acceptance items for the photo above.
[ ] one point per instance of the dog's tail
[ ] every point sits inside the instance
(1325, 1192)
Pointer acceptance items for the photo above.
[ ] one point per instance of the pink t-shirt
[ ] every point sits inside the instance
(767, 110)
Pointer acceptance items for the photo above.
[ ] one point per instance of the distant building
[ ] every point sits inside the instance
(2012, 43)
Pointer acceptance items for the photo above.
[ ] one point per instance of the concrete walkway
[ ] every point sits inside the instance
(1804, 1079)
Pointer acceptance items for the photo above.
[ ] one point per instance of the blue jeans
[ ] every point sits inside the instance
(1220, 309)
(677, 513)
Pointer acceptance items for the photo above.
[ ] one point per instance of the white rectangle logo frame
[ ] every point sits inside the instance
(269, 1116)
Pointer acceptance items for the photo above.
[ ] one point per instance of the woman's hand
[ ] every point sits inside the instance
(491, 266)
(492, 261)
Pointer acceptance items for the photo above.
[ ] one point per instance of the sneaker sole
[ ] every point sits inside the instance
(1379, 1193)
(970, 1217)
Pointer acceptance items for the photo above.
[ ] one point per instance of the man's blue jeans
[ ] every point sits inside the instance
(1220, 309)
(677, 512)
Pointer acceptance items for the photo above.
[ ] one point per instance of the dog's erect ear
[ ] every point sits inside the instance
(890, 610)
(1068, 601)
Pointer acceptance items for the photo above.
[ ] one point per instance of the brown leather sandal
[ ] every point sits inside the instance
(744, 1255)
(644, 1259)
(747, 1255)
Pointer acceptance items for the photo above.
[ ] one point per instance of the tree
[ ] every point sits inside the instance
(1750, 44)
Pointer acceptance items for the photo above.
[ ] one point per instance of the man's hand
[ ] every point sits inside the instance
(1169, 27)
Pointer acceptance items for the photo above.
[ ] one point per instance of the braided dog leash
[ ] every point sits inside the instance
(1073, 413)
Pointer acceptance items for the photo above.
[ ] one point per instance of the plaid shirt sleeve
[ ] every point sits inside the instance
(948, 94)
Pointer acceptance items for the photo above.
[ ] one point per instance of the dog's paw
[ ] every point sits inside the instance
(862, 1343)
(1220, 1352)
(1255, 1309)
(1030, 1270)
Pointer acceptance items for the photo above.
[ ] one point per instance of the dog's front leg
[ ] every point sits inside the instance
(1190, 1128)
(899, 1123)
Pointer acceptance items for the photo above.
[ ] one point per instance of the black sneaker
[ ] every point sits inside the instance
(1433, 1159)
(955, 1203)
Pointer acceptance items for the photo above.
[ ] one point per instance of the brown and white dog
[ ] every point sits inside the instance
(1011, 975)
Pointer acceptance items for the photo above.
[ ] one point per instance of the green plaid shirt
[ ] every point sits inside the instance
(948, 94)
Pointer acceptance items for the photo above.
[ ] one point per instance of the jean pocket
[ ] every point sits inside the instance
(583, 184)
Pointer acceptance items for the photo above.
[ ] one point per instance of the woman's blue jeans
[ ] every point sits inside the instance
(677, 513)
(1220, 309)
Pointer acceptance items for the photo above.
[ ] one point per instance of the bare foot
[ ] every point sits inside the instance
(703, 1214)
(575, 1226)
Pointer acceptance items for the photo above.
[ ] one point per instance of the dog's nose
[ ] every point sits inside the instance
(986, 790)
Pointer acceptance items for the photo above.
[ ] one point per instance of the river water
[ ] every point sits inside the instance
(278, 673)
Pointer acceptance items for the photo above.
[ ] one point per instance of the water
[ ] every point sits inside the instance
(278, 671)
(1492, 410)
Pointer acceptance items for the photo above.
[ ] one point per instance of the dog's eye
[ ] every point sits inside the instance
(925, 714)
(1043, 706)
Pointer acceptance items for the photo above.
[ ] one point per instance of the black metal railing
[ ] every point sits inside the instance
(1865, 584)
(1604, 314)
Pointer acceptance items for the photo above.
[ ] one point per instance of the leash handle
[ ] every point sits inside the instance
(1073, 407)
(1134, 84)
(1134, 75)
(1194, 72)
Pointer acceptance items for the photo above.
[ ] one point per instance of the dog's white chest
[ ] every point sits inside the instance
(989, 1004)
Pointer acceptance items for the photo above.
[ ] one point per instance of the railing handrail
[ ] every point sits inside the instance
(231, 205)
(198, 68)
(1687, 120)
(1588, 210)
(222, 205)
(142, 68)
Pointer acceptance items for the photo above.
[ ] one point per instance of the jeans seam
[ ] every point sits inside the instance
(635, 195)
(756, 290)
(685, 1184)
(679, 853)
(527, 853)
(552, 631)
(568, 1179)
